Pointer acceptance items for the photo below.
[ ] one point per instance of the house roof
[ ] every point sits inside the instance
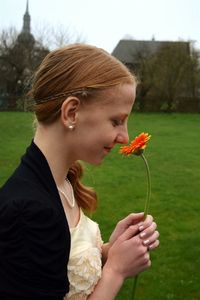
(127, 51)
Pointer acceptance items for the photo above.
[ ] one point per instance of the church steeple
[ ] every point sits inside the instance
(25, 37)
(27, 20)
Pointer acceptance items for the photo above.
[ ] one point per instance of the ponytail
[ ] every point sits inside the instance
(85, 196)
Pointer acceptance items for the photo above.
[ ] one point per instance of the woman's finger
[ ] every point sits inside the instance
(154, 245)
(151, 239)
(146, 223)
(148, 231)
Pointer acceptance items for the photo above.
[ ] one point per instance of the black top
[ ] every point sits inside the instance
(34, 234)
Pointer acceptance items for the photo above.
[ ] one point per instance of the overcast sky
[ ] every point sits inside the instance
(104, 22)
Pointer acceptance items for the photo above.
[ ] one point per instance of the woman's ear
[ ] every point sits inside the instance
(69, 111)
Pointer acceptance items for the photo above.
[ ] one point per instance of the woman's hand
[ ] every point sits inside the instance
(128, 255)
(145, 228)
(123, 224)
(120, 228)
(129, 252)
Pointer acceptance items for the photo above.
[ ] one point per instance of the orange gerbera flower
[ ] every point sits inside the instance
(137, 146)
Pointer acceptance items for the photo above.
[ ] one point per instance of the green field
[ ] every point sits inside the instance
(173, 155)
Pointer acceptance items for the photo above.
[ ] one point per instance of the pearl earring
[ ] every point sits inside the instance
(71, 127)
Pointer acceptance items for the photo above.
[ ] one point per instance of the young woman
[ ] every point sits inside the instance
(49, 248)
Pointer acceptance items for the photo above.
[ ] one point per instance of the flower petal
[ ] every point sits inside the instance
(137, 146)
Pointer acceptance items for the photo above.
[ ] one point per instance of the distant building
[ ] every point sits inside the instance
(130, 51)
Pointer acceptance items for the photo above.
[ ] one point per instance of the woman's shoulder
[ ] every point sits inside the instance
(22, 199)
(20, 191)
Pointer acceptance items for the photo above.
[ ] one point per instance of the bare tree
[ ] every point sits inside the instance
(8, 38)
(194, 72)
(174, 69)
(144, 67)
(55, 37)
(18, 60)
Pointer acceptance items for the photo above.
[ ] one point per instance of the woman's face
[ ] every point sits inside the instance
(102, 123)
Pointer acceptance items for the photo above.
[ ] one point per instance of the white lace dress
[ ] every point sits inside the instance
(84, 267)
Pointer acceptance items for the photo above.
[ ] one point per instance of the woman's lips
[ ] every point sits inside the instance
(108, 149)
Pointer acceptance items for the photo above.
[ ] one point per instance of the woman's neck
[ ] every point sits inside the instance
(53, 145)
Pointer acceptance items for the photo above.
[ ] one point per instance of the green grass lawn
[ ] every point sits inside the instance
(173, 156)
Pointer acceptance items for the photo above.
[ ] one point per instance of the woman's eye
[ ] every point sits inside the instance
(117, 122)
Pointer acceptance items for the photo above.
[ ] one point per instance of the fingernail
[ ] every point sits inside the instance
(150, 247)
(142, 234)
(146, 242)
(140, 225)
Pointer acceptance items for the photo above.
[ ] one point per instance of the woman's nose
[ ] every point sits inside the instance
(122, 137)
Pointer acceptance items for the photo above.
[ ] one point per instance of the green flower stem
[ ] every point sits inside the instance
(135, 280)
(147, 203)
(146, 209)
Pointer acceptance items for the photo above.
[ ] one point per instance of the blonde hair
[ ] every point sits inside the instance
(79, 69)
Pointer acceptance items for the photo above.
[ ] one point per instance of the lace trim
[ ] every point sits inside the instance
(84, 271)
